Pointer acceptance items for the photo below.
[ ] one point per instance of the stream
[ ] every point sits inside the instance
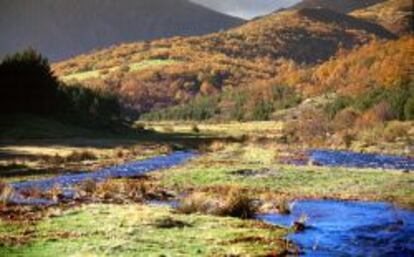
(333, 228)
(131, 169)
(360, 160)
(343, 228)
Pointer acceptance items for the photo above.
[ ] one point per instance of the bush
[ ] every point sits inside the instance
(338, 105)
(377, 114)
(195, 129)
(81, 156)
(6, 192)
(395, 130)
(262, 111)
(311, 127)
(345, 119)
(234, 203)
(238, 204)
(80, 103)
(409, 109)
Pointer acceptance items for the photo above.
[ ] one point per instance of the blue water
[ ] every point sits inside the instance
(360, 160)
(345, 229)
(131, 169)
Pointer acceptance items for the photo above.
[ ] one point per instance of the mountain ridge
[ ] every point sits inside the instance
(61, 29)
(171, 71)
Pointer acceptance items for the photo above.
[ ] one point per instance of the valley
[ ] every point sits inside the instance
(290, 134)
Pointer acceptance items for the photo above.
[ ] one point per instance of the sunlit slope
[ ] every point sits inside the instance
(378, 64)
(395, 15)
(166, 72)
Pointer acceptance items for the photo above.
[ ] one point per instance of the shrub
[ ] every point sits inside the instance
(345, 118)
(196, 203)
(6, 192)
(395, 130)
(338, 105)
(262, 111)
(377, 114)
(409, 109)
(238, 204)
(312, 127)
(81, 156)
(195, 129)
(88, 186)
(234, 203)
(347, 139)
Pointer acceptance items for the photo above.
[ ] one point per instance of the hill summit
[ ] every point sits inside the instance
(61, 29)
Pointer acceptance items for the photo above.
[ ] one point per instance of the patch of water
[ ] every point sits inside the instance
(131, 169)
(360, 160)
(345, 229)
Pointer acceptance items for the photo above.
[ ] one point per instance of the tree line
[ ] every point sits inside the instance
(28, 85)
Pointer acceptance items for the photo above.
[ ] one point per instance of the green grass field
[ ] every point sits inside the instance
(139, 230)
(227, 167)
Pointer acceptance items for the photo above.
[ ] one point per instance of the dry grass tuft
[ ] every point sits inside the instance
(77, 156)
(6, 192)
(234, 202)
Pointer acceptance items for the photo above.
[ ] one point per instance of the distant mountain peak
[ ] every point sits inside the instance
(65, 28)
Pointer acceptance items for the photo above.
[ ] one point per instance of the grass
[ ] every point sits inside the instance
(137, 230)
(40, 158)
(222, 168)
(229, 176)
(254, 128)
(131, 67)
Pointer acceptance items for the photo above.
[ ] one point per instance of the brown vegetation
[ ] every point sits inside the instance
(179, 69)
(235, 203)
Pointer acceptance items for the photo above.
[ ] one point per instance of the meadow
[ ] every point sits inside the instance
(238, 172)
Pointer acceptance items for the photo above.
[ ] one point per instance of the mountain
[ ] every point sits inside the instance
(159, 73)
(342, 6)
(245, 8)
(395, 15)
(308, 35)
(64, 28)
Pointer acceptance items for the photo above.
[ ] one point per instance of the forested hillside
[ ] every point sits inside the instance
(161, 73)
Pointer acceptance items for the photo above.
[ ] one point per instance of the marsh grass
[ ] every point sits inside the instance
(73, 157)
(217, 170)
(6, 192)
(234, 203)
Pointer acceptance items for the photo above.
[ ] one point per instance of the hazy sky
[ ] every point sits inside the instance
(246, 8)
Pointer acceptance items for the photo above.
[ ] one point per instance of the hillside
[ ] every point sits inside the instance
(171, 71)
(342, 6)
(61, 29)
(376, 72)
(378, 64)
(395, 15)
